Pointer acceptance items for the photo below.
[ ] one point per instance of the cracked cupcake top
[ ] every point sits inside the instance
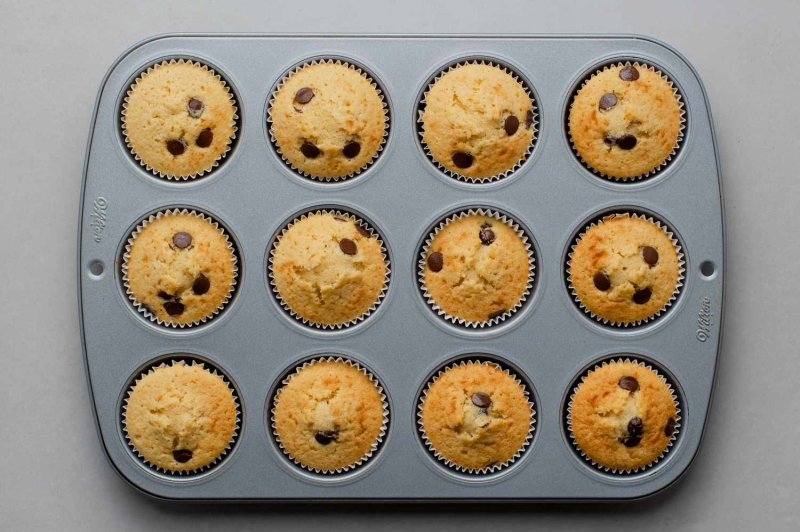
(476, 415)
(180, 267)
(625, 121)
(329, 415)
(477, 121)
(180, 417)
(623, 415)
(476, 268)
(624, 269)
(328, 269)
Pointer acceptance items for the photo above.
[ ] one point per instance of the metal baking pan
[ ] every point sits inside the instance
(255, 342)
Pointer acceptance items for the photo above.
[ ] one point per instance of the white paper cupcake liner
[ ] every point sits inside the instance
(678, 285)
(503, 218)
(228, 448)
(678, 142)
(364, 75)
(349, 217)
(375, 444)
(144, 309)
(525, 156)
(234, 124)
(674, 432)
(491, 468)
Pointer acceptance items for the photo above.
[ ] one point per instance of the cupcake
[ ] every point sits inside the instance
(477, 121)
(179, 119)
(477, 268)
(476, 417)
(625, 269)
(180, 417)
(328, 120)
(626, 121)
(623, 416)
(179, 268)
(328, 269)
(330, 415)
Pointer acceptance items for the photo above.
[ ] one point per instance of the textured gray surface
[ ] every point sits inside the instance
(52, 473)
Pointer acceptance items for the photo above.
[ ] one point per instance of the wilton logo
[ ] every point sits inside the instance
(99, 218)
(704, 320)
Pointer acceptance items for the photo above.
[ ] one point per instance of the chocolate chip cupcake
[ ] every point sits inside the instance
(476, 417)
(476, 268)
(180, 417)
(329, 269)
(626, 121)
(625, 269)
(179, 119)
(623, 416)
(328, 120)
(478, 121)
(179, 268)
(330, 415)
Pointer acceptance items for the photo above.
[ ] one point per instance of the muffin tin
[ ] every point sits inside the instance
(549, 342)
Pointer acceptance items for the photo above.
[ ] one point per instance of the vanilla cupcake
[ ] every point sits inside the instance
(179, 119)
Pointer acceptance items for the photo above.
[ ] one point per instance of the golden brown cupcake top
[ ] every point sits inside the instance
(624, 269)
(476, 415)
(625, 121)
(623, 415)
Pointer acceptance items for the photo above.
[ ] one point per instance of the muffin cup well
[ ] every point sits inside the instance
(364, 74)
(460, 177)
(360, 223)
(144, 309)
(666, 449)
(231, 443)
(491, 468)
(678, 285)
(375, 444)
(678, 141)
(234, 125)
(503, 218)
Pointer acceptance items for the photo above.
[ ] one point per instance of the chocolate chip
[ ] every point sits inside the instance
(165, 296)
(497, 313)
(635, 426)
(462, 160)
(529, 119)
(325, 437)
(351, 149)
(607, 101)
(629, 383)
(204, 138)
(650, 255)
(176, 147)
(629, 73)
(309, 150)
(627, 142)
(640, 297)
(610, 140)
(304, 95)
(340, 219)
(669, 429)
(511, 125)
(195, 107)
(631, 441)
(173, 308)
(601, 281)
(363, 231)
(348, 247)
(201, 285)
(182, 240)
(481, 400)
(435, 262)
(182, 455)
(486, 235)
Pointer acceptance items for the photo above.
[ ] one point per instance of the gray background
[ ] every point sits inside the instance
(52, 471)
